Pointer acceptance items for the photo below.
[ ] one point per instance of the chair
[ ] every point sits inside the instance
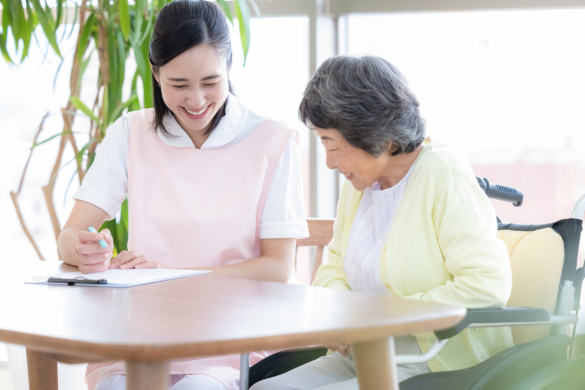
(544, 302)
(542, 309)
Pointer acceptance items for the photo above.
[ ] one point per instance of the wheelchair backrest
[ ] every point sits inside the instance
(536, 256)
(543, 258)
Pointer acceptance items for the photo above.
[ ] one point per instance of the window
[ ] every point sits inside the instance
(275, 75)
(506, 87)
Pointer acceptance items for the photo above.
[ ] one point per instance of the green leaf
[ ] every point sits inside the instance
(83, 41)
(46, 21)
(226, 10)
(124, 14)
(122, 57)
(50, 138)
(133, 90)
(65, 19)
(122, 227)
(6, 15)
(3, 49)
(83, 66)
(141, 65)
(30, 30)
(110, 91)
(57, 74)
(118, 227)
(83, 108)
(13, 11)
(124, 214)
(26, 34)
(138, 18)
(59, 13)
(49, 15)
(81, 152)
(90, 159)
(243, 15)
(111, 226)
(161, 3)
(6, 22)
(146, 79)
(147, 91)
(148, 30)
(76, 13)
(105, 109)
(121, 107)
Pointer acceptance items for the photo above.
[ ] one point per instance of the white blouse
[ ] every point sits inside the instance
(371, 226)
(106, 183)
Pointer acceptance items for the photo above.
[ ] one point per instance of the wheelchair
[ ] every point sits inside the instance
(542, 313)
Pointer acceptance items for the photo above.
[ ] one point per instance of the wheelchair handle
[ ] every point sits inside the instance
(500, 192)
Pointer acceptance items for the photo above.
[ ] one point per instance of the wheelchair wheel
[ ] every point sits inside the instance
(566, 375)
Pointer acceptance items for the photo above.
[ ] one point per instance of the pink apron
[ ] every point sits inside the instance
(204, 209)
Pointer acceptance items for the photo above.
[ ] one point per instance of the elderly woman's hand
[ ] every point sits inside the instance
(343, 349)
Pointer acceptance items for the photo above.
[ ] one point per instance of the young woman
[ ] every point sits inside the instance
(210, 184)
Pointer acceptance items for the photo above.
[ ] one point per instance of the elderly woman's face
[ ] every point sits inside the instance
(359, 167)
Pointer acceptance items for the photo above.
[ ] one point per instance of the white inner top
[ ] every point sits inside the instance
(371, 226)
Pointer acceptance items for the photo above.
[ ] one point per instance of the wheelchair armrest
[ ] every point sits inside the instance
(495, 316)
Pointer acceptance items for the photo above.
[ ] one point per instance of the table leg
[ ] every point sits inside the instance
(375, 366)
(147, 375)
(42, 371)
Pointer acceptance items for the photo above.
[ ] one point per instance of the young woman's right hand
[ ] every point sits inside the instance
(91, 256)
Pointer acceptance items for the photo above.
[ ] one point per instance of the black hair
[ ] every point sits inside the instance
(181, 25)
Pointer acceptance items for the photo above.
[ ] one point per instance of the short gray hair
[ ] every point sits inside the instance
(368, 101)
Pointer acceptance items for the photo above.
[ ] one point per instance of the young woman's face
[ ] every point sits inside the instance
(194, 86)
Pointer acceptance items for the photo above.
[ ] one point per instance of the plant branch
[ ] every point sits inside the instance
(14, 195)
(68, 114)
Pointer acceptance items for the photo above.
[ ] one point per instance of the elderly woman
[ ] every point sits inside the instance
(411, 219)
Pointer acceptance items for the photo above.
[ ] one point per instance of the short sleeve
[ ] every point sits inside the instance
(284, 210)
(105, 184)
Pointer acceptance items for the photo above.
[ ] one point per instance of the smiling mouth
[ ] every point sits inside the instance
(197, 113)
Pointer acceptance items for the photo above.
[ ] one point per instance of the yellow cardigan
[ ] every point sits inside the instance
(442, 247)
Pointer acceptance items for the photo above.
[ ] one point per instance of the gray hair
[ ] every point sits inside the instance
(368, 101)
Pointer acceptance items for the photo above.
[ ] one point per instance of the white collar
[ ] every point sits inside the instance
(225, 132)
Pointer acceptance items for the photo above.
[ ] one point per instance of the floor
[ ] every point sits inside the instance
(5, 381)
(71, 376)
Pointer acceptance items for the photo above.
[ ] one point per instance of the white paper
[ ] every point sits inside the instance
(121, 277)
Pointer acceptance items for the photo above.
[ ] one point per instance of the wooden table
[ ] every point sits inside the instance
(198, 316)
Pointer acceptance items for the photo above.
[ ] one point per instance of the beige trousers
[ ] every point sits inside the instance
(335, 372)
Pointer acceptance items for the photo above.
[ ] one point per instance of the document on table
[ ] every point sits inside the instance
(114, 277)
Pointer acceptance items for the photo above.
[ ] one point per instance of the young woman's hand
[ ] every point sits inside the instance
(91, 256)
(129, 259)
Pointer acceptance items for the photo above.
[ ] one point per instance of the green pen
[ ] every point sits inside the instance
(102, 242)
